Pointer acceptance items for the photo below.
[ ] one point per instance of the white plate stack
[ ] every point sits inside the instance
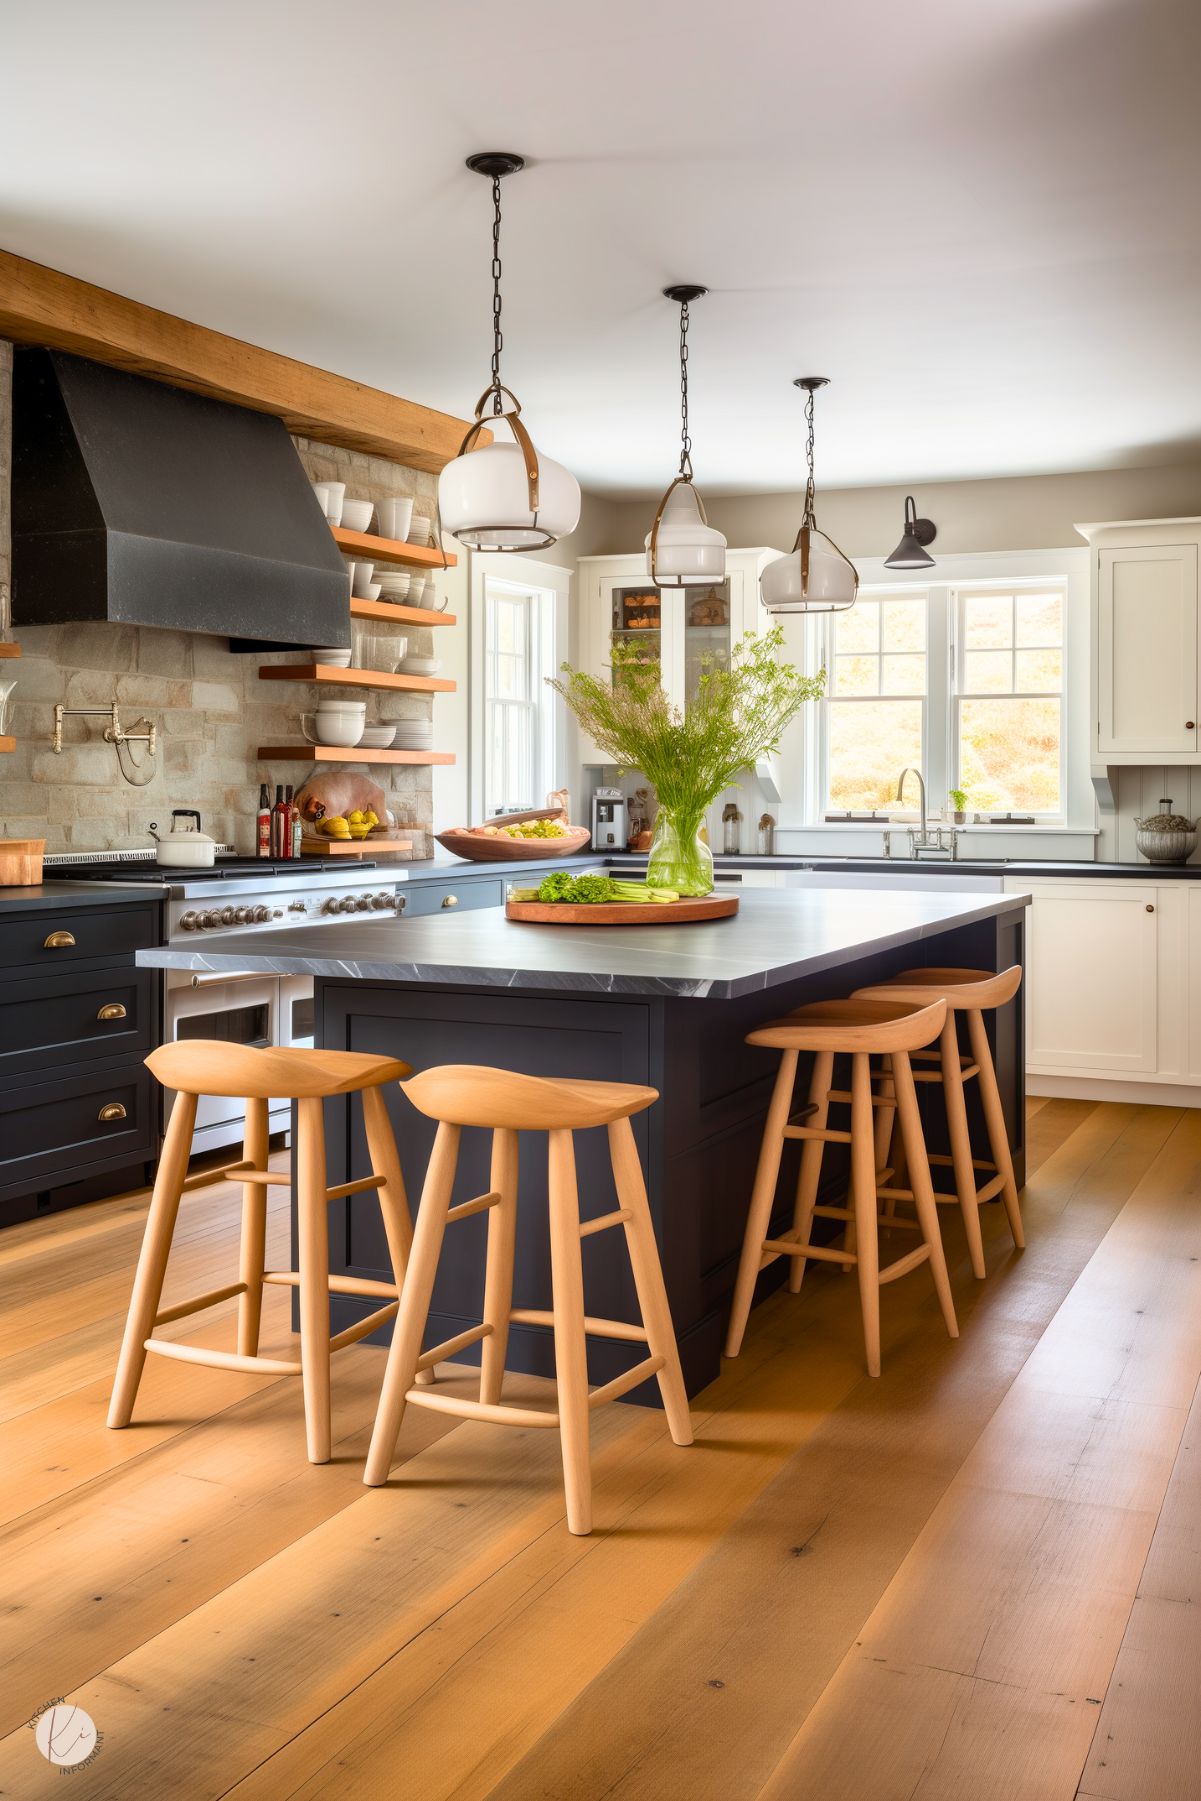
(414, 734)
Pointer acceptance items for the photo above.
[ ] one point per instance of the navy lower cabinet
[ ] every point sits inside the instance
(79, 1114)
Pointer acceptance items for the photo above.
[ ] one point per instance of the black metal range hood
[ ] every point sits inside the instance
(142, 504)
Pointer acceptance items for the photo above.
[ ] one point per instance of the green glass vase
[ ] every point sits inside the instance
(679, 856)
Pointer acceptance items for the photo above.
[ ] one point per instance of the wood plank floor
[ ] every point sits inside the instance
(976, 1577)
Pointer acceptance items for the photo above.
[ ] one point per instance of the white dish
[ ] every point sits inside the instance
(378, 737)
(333, 655)
(356, 515)
(421, 530)
(331, 495)
(395, 517)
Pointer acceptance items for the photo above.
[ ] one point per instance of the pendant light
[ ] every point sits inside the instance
(910, 553)
(814, 577)
(682, 548)
(503, 496)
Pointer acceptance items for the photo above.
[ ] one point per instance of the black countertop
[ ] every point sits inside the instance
(774, 938)
(50, 895)
(1004, 866)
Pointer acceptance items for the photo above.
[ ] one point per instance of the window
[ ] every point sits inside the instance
(875, 713)
(1008, 703)
(511, 695)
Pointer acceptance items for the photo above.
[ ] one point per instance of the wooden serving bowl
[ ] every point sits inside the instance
(478, 847)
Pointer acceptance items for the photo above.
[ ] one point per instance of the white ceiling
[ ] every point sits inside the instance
(980, 218)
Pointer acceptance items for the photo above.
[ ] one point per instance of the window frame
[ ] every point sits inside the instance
(827, 632)
(548, 587)
(957, 594)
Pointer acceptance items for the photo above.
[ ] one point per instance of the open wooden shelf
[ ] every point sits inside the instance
(14, 650)
(8, 744)
(319, 846)
(391, 550)
(382, 609)
(336, 675)
(341, 753)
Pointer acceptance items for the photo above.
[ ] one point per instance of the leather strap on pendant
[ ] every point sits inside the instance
(524, 442)
(681, 481)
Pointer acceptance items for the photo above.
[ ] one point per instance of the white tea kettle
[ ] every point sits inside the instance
(184, 846)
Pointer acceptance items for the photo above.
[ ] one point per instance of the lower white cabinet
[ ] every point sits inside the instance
(1111, 966)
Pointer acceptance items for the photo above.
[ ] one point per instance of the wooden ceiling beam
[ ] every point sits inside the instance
(43, 306)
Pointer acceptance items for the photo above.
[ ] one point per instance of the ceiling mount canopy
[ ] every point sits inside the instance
(504, 496)
(682, 548)
(911, 553)
(814, 577)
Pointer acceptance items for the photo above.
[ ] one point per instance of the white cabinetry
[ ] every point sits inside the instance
(1111, 972)
(1146, 643)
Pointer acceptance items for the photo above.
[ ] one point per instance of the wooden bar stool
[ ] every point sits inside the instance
(862, 1028)
(966, 991)
(459, 1095)
(206, 1066)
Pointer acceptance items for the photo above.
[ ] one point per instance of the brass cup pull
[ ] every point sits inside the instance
(59, 941)
(113, 1010)
(450, 900)
(112, 1110)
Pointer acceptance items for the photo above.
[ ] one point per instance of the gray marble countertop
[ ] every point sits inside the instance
(775, 937)
(76, 894)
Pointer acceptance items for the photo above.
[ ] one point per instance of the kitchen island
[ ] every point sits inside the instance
(665, 1005)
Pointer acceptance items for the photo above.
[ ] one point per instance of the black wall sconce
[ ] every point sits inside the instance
(910, 553)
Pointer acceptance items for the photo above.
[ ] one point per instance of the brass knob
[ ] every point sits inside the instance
(113, 1110)
(113, 1010)
(58, 941)
(1190, 725)
(1150, 908)
(450, 900)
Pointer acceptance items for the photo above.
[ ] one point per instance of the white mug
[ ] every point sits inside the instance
(335, 494)
(394, 517)
(360, 580)
(336, 722)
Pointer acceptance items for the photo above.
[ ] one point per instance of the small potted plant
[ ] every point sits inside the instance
(958, 801)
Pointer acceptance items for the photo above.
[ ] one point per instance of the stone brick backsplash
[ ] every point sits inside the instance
(211, 710)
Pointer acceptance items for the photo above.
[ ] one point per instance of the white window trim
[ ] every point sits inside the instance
(981, 569)
(958, 693)
(826, 629)
(553, 583)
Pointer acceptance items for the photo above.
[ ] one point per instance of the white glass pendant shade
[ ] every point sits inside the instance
(684, 549)
(484, 500)
(814, 577)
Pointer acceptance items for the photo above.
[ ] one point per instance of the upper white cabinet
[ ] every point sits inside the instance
(1146, 644)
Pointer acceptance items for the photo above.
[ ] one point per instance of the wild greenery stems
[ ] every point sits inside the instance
(738, 714)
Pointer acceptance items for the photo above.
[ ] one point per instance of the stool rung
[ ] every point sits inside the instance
(449, 1346)
(222, 1360)
(358, 1186)
(466, 1208)
(621, 1385)
(788, 1247)
(493, 1414)
(183, 1308)
(606, 1220)
(882, 1219)
(288, 1278)
(878, 1100)
(595, 1328)
(803, 1112)
(903, 1265)
(266, 1178)
(362, 1327)
(825, 1133)
(990, 1188)
(945, 1162)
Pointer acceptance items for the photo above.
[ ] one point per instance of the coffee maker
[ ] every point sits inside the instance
(608, 819)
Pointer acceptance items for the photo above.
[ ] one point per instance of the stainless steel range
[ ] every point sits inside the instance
(242, 895)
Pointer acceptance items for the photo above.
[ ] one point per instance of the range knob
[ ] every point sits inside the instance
(259, 915)
(228, 916)
(189, 922)
(363, 904)
(380, 901)
(210, 920)
(242, 916)
(330, 906)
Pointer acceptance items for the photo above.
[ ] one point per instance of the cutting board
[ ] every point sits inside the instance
(623, 913)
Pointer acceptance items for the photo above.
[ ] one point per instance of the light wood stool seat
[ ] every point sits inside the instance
(862, 1028)
(208, 1066)
(970, 992)
(459, 1095)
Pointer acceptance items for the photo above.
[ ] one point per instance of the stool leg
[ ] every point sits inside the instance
(864, 1203)
(648, 1278)
(498, 1275)
(571, 1359)
(923, 1188)
(393, 1199)
(409, 1327)
(961, 1144)
(994, 1116)
(313, 1239)
(812, 1152)
(152, 1259)
(762, 1195)
(253, 1252)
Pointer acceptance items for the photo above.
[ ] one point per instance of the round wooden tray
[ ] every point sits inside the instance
(475, 847)
(623, 913)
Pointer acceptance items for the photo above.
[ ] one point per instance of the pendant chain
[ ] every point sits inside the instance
(685, 440)
(809, 487)
(498, 341)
